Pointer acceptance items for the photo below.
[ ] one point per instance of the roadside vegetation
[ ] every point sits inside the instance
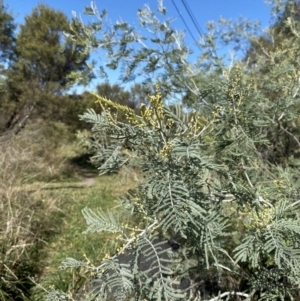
(211, 180)
(45, 184)
(46, 176)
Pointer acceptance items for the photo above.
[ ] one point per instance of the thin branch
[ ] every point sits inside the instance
(130, 241)
(290, 134)
(292, 205)
(226, 268)
(230, 293)
(246, 175)
(260, 199)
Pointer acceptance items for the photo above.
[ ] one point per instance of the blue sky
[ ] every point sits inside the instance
(203, 10)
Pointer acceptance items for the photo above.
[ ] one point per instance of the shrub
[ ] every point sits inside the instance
(234, 236)
(213, 181)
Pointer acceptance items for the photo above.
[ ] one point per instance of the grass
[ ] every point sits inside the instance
(70, 241)
(43, 188)
(25, 222)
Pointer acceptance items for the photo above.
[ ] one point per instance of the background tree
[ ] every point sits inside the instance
(75, 104)
(139, 94)
(44, 59)
(7, 33)
(7, 47)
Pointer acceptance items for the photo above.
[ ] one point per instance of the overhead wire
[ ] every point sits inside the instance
(194, 20)
(185, 24)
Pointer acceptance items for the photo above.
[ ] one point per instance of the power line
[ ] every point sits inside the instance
(194, 20)
(185, 24)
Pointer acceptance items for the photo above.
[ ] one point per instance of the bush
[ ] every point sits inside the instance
(220, 181)
(220, 224)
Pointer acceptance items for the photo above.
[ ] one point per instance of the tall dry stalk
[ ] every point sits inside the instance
(24, 218)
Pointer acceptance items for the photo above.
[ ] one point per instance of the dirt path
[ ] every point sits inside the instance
(90, 178)
(88, 182)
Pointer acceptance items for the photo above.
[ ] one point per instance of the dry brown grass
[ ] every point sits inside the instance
(41, 198)
(24, 226)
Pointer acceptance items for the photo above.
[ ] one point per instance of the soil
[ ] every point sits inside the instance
(88, 182)
(90, 178)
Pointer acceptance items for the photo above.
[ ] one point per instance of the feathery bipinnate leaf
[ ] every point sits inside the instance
(173, 198)
(98, 221)
(222, 181)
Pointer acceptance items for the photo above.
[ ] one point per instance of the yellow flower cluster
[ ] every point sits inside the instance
(216, 111)
(106, 256)
(115, 105)
(261, 220)
(156, 99)
(279, 183)
(196, 125)
(146, 112)
(153, 114)
(166, 150)
(130, 114)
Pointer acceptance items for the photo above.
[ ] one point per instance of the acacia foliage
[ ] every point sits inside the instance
(214, 181)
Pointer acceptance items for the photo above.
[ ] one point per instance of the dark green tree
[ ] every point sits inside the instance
(7, 33)
(44, 60)
(7, 47)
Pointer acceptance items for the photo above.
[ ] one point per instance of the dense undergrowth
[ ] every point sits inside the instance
(43, 189)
